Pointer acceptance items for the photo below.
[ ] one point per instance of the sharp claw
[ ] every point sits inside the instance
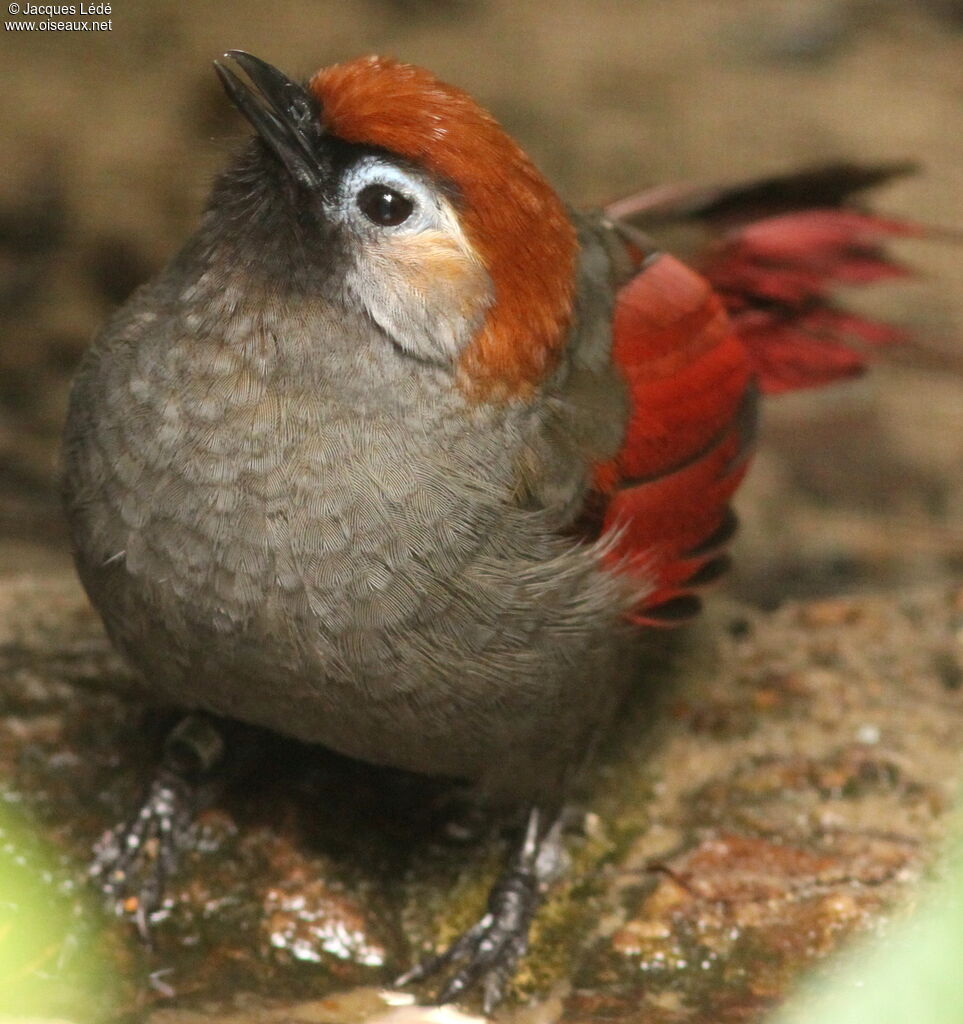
(492, 948)
(423, 969)
(530, 845)
(494, 991)
(142, 923)
(455, 951)
(410, 976)
(456, 985)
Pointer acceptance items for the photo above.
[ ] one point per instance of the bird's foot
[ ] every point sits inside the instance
(490, 950)
(134, 860)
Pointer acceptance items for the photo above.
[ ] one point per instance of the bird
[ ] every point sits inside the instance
(403, 456)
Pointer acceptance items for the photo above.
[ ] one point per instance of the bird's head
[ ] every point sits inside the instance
(447, 236)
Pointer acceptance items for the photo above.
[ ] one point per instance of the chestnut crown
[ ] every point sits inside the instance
(443, 193)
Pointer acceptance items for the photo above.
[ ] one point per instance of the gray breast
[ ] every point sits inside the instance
(284, 526)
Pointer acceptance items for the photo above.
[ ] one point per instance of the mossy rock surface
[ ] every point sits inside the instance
(780, 782)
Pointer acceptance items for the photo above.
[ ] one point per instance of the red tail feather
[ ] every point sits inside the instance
(776, 277)
(693, 350)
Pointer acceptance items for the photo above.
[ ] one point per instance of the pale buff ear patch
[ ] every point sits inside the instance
(427, 289)
(513, 218)
(433, 261)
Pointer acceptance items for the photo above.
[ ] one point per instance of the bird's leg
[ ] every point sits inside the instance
(490, 950)
(133, 861)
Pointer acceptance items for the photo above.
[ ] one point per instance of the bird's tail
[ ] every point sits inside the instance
(695, 346)
(778, 250)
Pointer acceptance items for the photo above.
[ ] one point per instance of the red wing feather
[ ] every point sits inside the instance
(666, 492)
(694, 348)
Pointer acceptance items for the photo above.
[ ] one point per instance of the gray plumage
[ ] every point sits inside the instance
(286, 512)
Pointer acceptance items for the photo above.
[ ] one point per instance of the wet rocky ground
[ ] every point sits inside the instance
(786, 775)
(782, 781)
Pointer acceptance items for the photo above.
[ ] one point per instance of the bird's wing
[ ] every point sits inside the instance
(697, 348)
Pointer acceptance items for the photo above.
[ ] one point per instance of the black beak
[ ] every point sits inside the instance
(283, 113)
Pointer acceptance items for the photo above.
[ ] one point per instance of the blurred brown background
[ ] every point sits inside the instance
(110, 140)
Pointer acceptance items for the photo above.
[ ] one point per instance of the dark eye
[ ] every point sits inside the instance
(384, 206)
